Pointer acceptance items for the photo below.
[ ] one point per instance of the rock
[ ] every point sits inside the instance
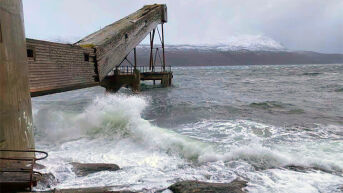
(84, 190)
(83, 169)
(90, 190)
(38, 166)
(164, 191)
(47, 181)
(235, 186)
(297, 168)
(305, 169)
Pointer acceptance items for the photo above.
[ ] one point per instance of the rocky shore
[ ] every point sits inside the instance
(84, 169)
(235, 186)
(189, 186)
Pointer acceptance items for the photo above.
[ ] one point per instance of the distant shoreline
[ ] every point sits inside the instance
(193, 57)
(261, 65)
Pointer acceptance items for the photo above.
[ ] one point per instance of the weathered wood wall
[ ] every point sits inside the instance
(57, 67)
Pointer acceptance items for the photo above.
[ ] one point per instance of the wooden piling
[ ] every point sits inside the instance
(16, 130)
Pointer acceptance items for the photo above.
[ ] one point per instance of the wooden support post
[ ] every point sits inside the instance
(150, 52)
(16, 129)
(154, 63)
(152, 35)
(135, 58)
(136, 82)
(163, 55)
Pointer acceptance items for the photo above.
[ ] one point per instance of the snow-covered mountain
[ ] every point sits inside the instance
(239, 50)
(233, 43)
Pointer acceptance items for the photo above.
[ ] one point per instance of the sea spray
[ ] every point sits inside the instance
(275, 150)
(118, 117)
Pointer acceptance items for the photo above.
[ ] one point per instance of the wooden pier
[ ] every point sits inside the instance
(57, 67)
(39, 67)
(127, 76)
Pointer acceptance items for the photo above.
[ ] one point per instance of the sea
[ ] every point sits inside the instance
(278, 127)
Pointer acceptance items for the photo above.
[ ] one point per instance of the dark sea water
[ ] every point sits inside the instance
(278, 127)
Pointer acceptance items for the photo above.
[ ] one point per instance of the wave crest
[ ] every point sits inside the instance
(119, 117)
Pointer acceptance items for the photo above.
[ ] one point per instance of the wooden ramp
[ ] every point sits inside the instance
(114, 42)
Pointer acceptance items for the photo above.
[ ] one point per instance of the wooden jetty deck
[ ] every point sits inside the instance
(131, 76)
(16, 169)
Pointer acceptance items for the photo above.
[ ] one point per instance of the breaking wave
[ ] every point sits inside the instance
(118, 117)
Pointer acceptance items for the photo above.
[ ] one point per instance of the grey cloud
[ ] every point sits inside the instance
(297, 24)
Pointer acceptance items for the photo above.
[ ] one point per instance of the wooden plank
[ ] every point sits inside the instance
(57, 89)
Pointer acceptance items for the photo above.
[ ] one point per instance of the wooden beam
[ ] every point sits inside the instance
(115, 41)
(16, 129)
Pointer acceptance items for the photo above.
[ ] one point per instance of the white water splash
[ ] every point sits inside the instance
(111, 130)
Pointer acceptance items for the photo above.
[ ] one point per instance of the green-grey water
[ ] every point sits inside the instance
(279, 127)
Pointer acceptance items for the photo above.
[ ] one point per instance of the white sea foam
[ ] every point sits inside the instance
(111, 130)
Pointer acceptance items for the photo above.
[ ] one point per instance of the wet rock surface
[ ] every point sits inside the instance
(235, 186)
(83, 169)
(90, 190)
(83, 190)
(47, 181)
(306, 169)
(38, 166)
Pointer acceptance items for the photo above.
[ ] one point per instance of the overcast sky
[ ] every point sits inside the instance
(315, 25)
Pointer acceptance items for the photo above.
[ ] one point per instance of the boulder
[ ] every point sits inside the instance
(83, 190)
(90, 190)
(83, 169)
(235, 186)
(47, 181)
(305, 169)
(38, 166)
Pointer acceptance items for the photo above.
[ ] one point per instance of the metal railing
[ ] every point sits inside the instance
(143, 69)
(21, 165)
